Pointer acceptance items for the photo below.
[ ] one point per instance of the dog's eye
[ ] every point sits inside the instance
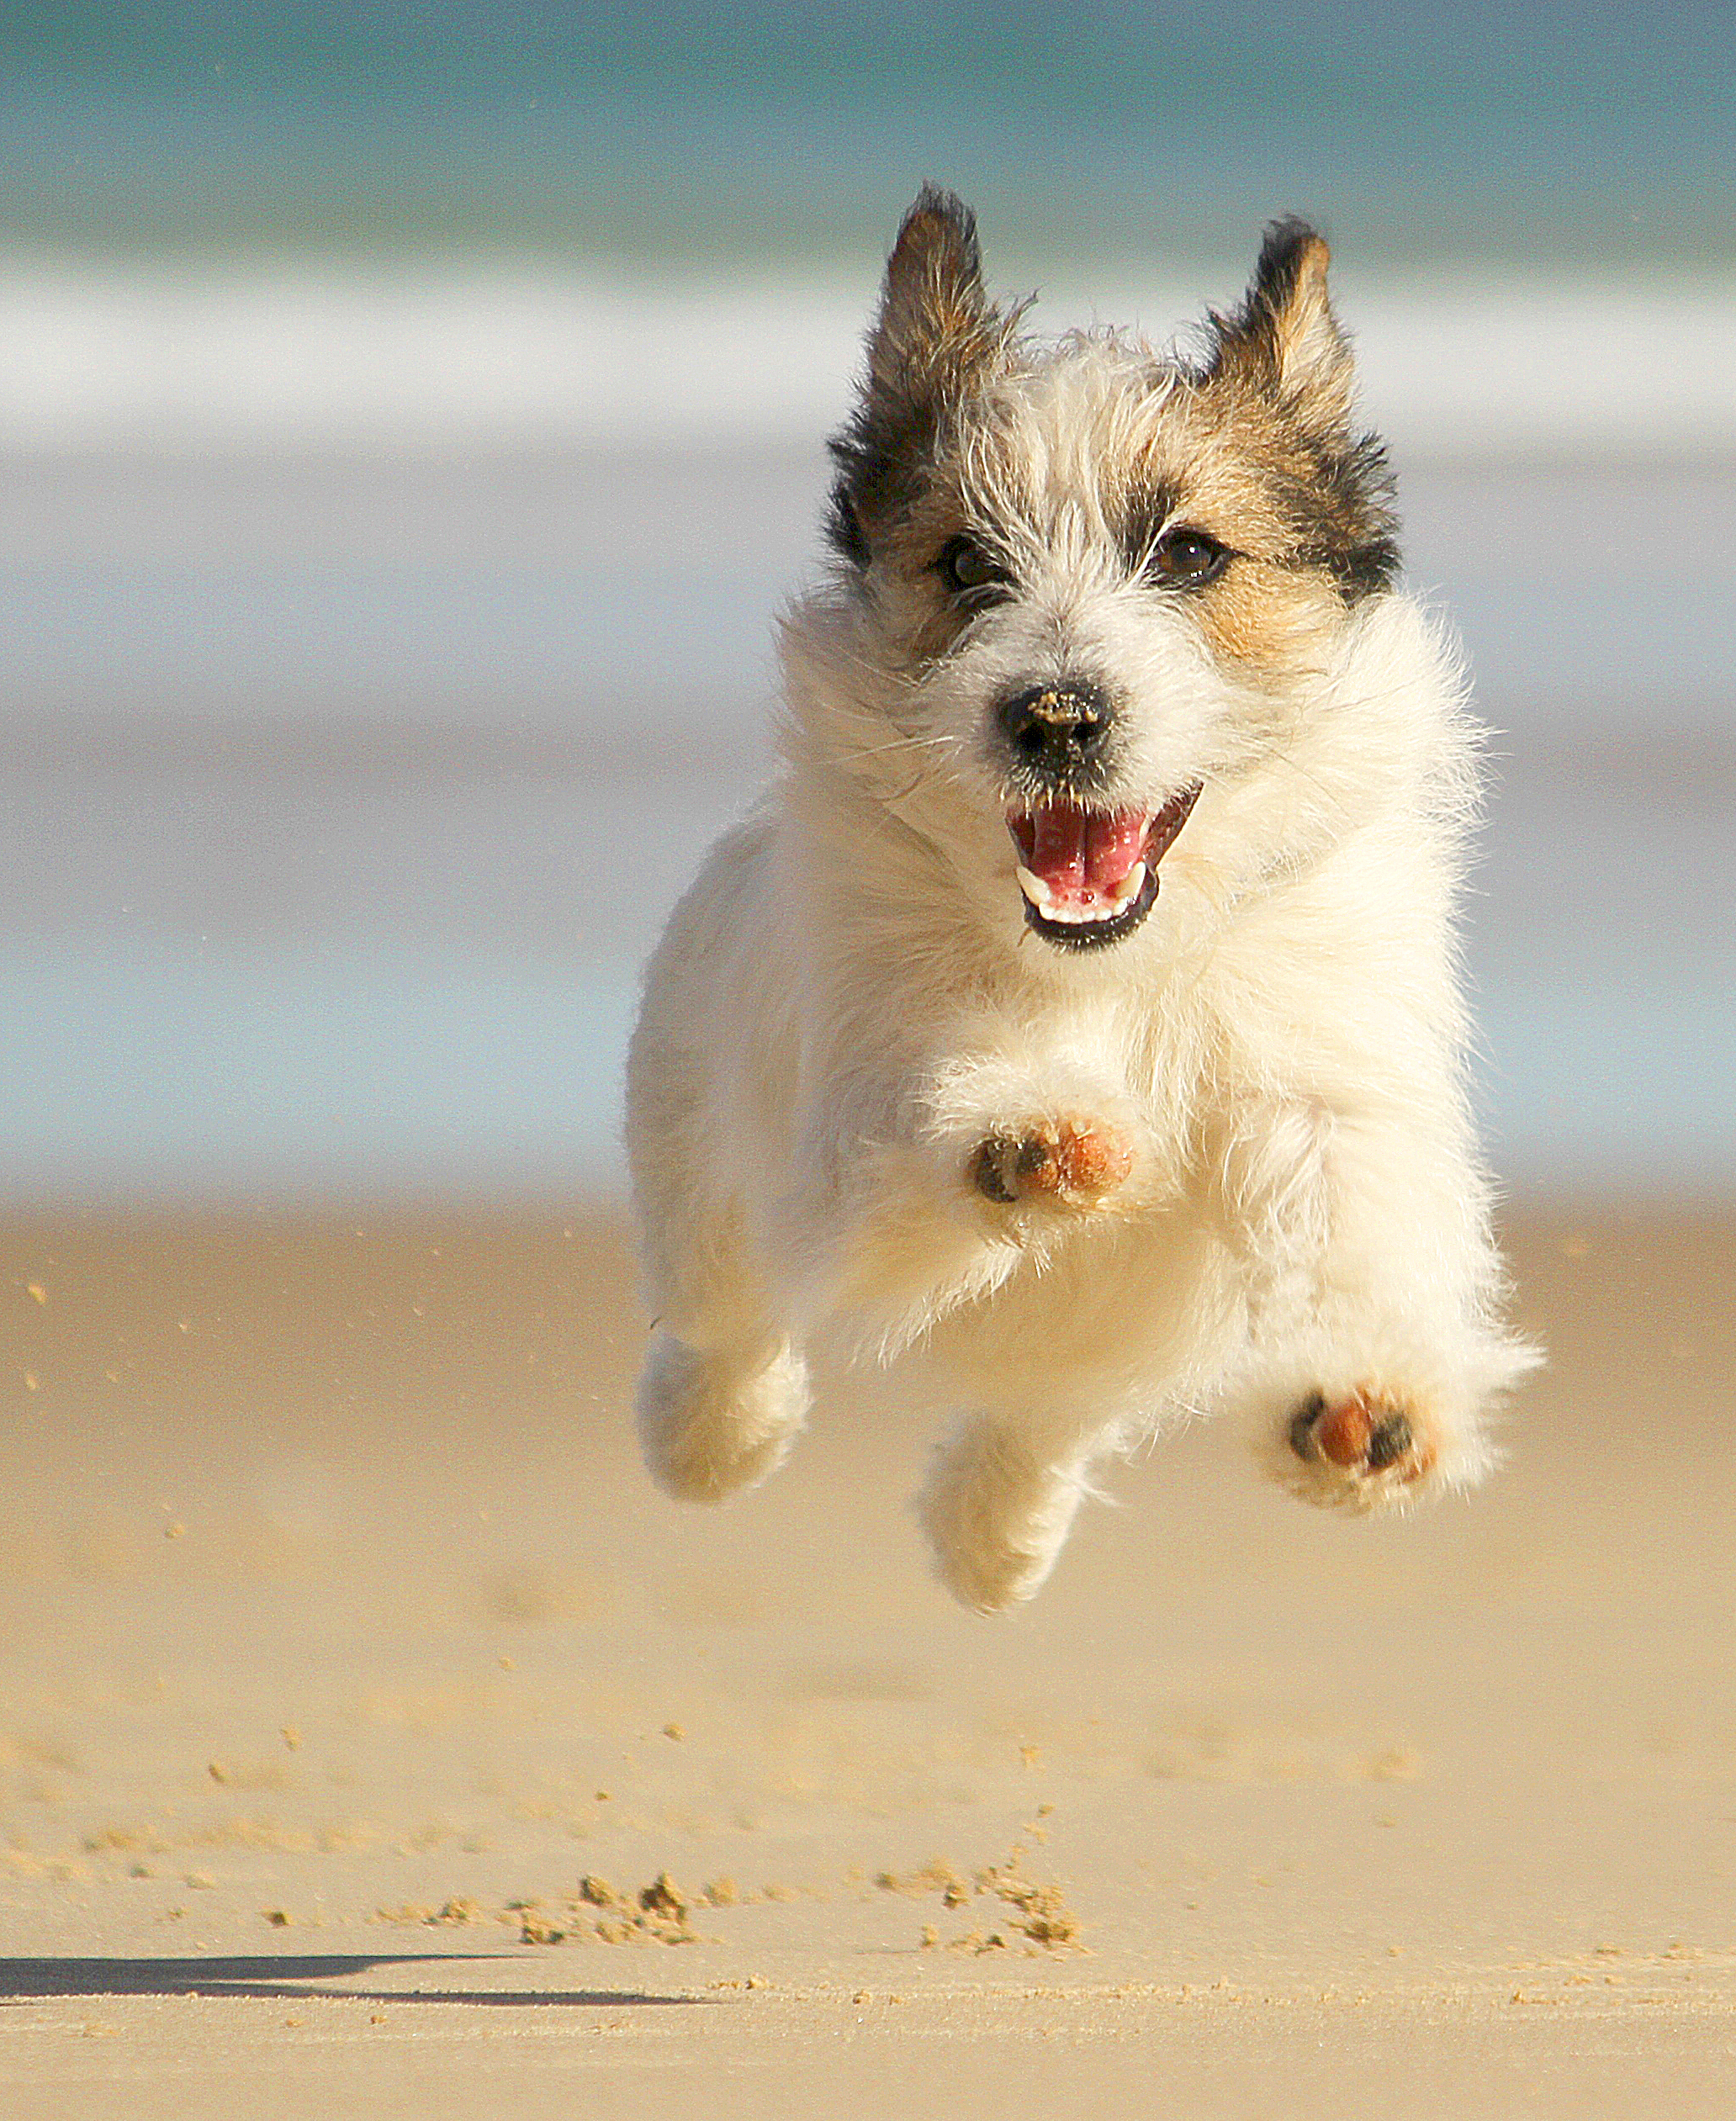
(971, 572)
(1189, 558)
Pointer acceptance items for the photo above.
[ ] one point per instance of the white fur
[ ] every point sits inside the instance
(847, 1003)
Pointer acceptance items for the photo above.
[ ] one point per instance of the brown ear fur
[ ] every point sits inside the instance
(935, 322)
(1283, 350)
(936, 333)
(1285, 336)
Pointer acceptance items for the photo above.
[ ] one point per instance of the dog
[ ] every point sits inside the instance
(1076, 1022)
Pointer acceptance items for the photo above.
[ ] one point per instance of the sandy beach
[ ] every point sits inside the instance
(373, 1739)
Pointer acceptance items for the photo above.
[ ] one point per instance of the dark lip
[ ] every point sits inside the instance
(1098, 935)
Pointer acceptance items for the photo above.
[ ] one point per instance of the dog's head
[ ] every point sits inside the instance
(1084, 582)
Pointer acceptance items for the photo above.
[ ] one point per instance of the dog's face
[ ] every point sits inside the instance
(1093, 580)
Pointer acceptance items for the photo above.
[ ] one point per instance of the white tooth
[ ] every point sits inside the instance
(1070, 913)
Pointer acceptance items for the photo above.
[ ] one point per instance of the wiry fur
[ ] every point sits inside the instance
(848, 1004)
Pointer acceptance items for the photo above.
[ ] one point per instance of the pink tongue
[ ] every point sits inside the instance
(1075, 850)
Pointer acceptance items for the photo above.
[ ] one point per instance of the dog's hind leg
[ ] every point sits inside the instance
(714, 1419)
(723, 1392)
(999, 1501)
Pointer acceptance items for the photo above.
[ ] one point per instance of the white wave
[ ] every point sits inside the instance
(226, 357)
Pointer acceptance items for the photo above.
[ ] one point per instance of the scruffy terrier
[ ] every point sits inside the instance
(1076, 1021)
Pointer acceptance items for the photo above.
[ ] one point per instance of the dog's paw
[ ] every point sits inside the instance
(1073, 1163)
(992, 1580)
(709, 1426)
(1360, 1452)
(995, 1518)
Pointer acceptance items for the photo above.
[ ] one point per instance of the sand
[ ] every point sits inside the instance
(374, 1740)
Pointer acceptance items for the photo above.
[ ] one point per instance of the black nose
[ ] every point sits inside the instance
(1056, 728)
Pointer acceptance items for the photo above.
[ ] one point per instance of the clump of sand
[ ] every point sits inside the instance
(1040, 1914)
(656, 1913)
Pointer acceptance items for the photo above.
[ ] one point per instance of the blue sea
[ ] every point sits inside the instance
(1561, 134)
(408, 431)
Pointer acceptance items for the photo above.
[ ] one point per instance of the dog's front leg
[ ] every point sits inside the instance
(1064, 1161)
(1035, 1141)
(723, 1392)
(1377, 1349)
(934, 1193)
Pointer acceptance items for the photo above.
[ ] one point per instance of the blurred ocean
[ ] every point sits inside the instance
(356, 741)
(408, 434)
(1566, 133)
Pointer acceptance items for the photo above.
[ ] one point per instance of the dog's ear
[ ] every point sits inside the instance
(1285, 336)
(936, 334)
(1283, 349)
(936, 324)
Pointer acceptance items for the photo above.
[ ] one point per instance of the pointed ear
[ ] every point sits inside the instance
(935, 321)
(937, 334)
(1283, 350)
(1285, 335)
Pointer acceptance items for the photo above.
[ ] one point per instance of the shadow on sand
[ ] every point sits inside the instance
(282, 1978)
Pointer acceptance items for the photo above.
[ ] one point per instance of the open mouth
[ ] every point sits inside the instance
(1090, 876)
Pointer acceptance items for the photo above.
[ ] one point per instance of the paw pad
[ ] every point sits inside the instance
(1063, 1162)
(1364, 1438)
